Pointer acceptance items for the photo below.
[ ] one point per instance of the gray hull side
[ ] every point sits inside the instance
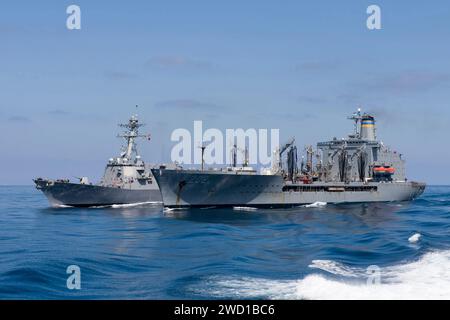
(183, 188)
(80, 195)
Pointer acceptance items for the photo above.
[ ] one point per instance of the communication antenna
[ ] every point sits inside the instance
(234, 156)
(309, 158)
(244, 154)
(130, 135)
(246, 160)
(356, 117)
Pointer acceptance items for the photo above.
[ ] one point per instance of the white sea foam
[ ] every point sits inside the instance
(334, 268)
(426, 278)
(127, 205)
(316, 204)
(245, 208)
(137, 204)
(61, 206)
(414, 238)
(167, 210)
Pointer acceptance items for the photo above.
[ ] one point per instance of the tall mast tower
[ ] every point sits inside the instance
(130, 135)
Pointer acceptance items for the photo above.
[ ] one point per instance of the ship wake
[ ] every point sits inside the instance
(317, 204)
(426, 278)
(137, 204)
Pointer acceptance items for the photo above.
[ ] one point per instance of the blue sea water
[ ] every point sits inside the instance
(144, 252)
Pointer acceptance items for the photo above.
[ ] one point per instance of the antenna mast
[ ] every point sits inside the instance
(130, 135)
(356, 117)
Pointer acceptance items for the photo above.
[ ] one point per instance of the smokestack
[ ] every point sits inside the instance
(367, 128)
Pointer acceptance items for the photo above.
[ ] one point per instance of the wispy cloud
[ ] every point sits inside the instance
(312, 99)
(408, 82)
(316, 66)
(187, 104)
(58, 112)
(349, 98)
(287, 116)
(178, 62)
(75, 115)
(21, 119)
(120, 75)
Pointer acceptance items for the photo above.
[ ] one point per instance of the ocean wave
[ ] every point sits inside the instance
(336, 268)
(127, 205)
(245, 208)
(137, 204)
(317, 204)
(426, 278)
(114, 206)
(61, 206)
(167, 210)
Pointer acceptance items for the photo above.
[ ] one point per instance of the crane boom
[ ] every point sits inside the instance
(287, 145)
(283, 149)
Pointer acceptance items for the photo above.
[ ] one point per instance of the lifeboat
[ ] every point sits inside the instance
(384, 169)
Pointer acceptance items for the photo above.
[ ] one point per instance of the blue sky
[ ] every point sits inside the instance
(301, 66)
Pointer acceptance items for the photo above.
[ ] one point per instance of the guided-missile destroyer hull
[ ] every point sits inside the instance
(358, 168)
(190, 188)
(85, 195)
(126, 180)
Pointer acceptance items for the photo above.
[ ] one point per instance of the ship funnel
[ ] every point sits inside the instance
(367, 131)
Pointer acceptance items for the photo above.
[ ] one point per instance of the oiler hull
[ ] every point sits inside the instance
(189, 188)
(85, 195)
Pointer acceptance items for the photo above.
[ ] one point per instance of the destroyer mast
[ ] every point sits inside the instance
(129, 151)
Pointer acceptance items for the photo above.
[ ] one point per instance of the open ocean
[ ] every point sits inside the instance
(143, 252)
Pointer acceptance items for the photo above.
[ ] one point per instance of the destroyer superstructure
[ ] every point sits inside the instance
(127, 179)
(358, 168)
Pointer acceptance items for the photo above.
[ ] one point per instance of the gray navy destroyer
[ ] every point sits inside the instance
(126, 180)
(358, 168)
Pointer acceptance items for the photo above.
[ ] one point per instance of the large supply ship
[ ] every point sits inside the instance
(358, 168)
